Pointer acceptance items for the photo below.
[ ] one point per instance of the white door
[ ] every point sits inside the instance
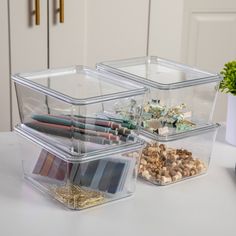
(66, 33)
(28, 41)
(115, 29)
(200, 33)
(4, 69)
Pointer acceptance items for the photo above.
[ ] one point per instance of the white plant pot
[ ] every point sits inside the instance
(231, 120)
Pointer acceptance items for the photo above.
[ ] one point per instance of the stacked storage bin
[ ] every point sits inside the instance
(177, 118)
(78, 134)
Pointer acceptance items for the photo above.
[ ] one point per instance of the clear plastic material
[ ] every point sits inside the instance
(187, 155)
(80, 184)
(79, 110)
(181, 98)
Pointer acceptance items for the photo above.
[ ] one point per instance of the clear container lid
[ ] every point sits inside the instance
(83, 85)
(158, 73)
(131, 147)
(176, 136)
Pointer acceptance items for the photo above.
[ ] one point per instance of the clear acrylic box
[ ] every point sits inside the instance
(181, 98)
(79, 110)
(79, 183)
(176, 158)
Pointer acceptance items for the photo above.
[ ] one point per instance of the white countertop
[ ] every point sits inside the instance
(201, 206)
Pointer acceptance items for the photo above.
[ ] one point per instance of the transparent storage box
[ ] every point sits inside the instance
(79, 110)
(79, 183)
(181, 97)
(180, 157)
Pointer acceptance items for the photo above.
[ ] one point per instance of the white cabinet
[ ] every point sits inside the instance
(48, 44)
(200, 33)
(92, 31)
(95, 31)
(51, 43)
(4, 69)
(28, 41)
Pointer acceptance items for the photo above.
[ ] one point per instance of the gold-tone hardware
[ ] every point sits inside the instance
(37, 12)
(62, 9)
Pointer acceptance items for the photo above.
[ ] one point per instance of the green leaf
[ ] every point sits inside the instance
(228, 84)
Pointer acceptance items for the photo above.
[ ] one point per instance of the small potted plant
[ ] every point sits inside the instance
(228, 85)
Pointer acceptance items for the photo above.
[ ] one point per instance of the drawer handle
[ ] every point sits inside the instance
(62, 9)
(37, 12)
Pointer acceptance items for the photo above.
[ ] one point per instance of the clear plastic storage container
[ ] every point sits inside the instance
(79, 183)
(180, 157)
(79, 110)
(181, 97)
